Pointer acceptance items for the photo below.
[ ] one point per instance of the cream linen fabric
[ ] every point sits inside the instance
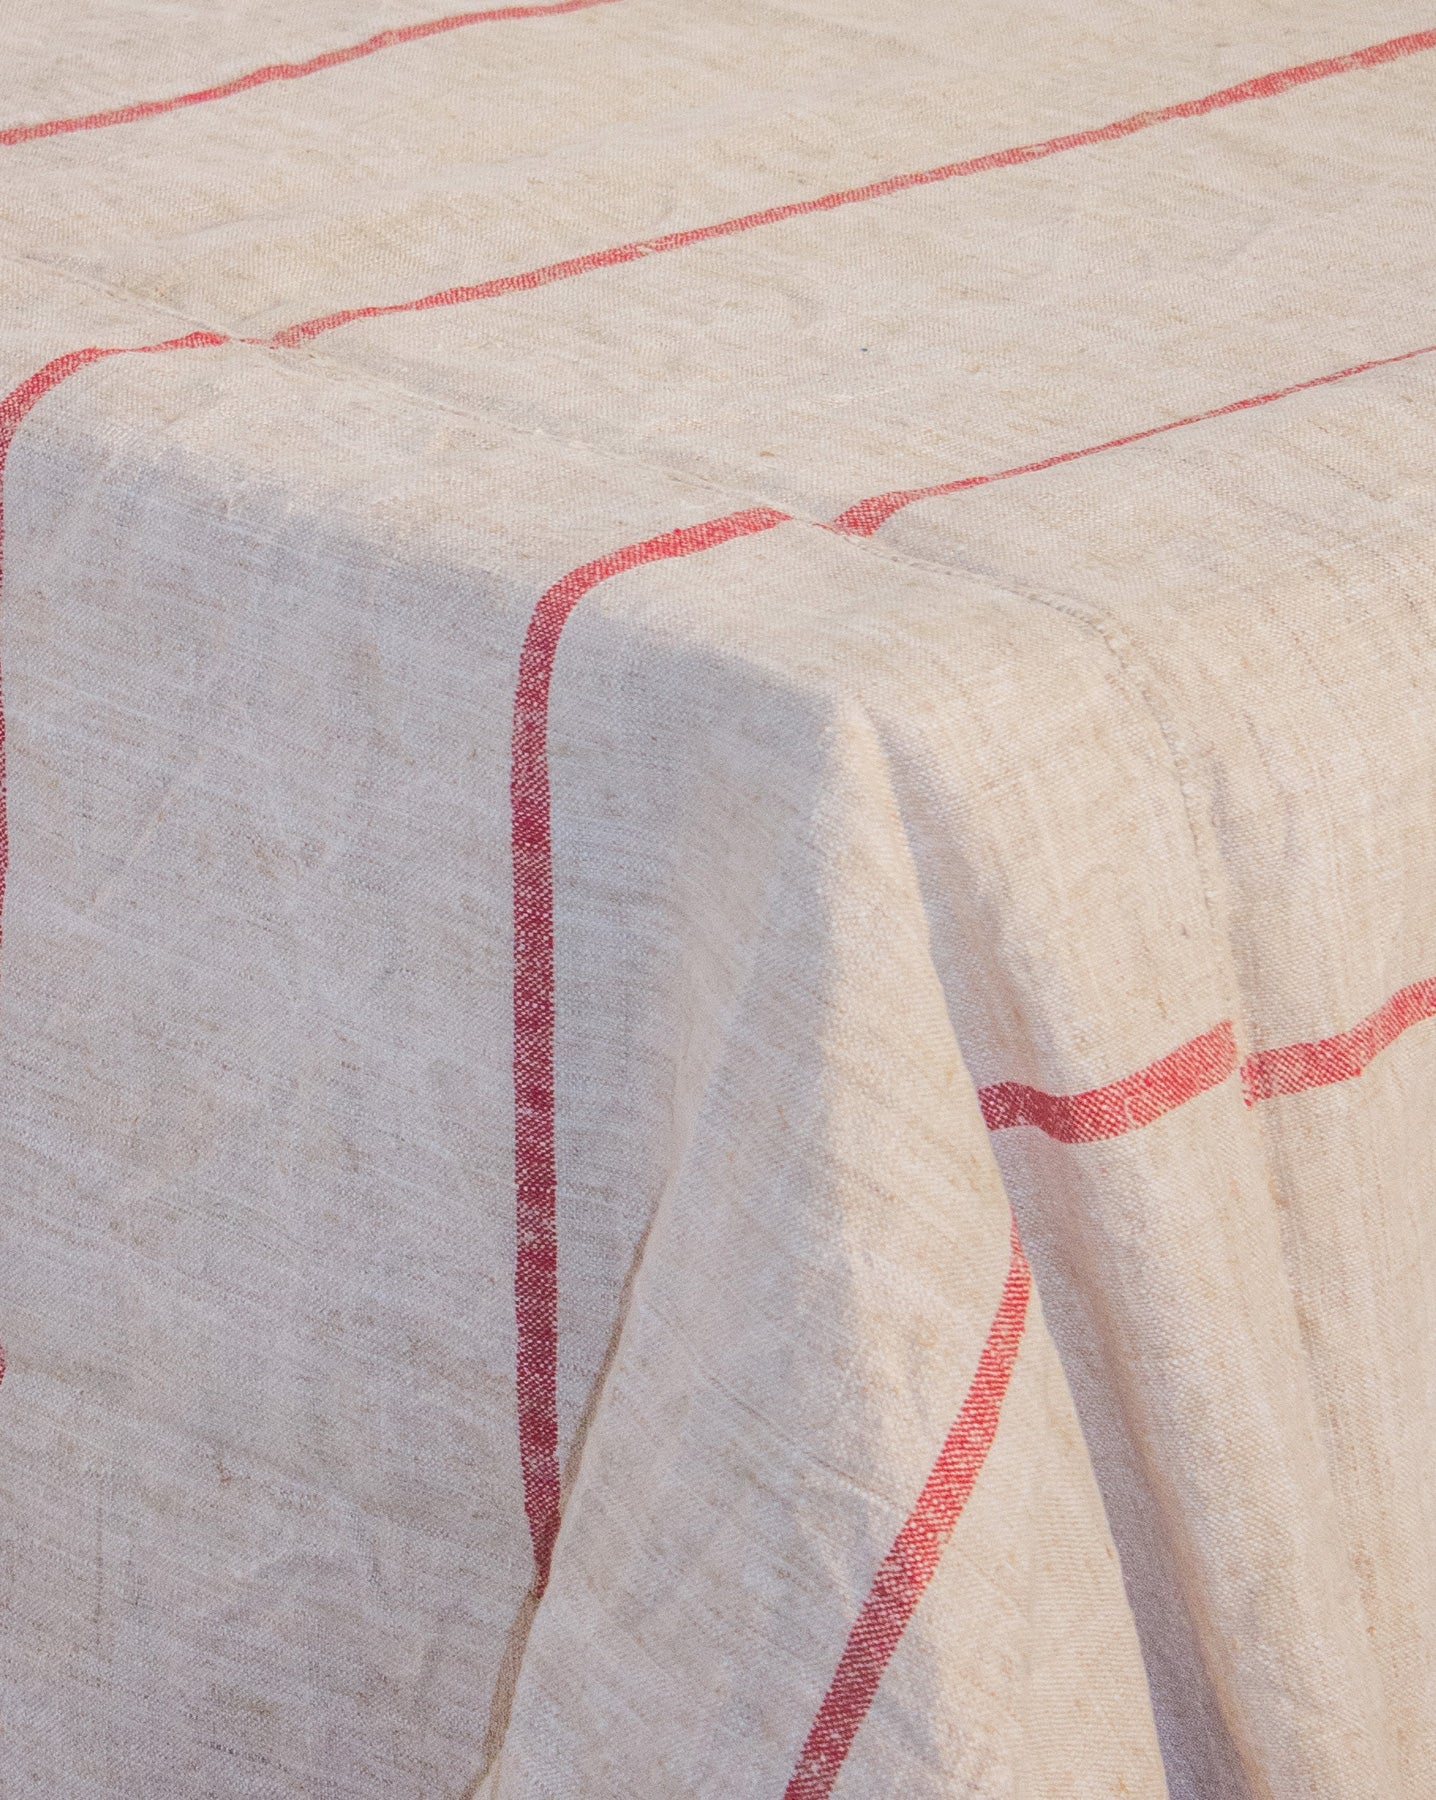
(1043, 781)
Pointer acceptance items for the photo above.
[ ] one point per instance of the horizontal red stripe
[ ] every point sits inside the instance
(910, 1565)
(1262, 87)
(1204, 1062)
(1120, 1106)
(328, 59)
(1341, 1057)
(864, 518)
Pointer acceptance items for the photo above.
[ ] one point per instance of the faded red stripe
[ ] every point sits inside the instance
(328, 59)
(1342, 1057)
(909, 1566)
(14, 409)
(536, 1257)
(1121, 1106)
(867, 516)
(1261, 87)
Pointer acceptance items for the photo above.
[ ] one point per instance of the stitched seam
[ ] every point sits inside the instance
(616, 460)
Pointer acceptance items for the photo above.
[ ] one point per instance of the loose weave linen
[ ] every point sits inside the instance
(717, 649)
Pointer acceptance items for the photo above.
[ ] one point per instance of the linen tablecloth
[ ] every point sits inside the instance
(724, 669)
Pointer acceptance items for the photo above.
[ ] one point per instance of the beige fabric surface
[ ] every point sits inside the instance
(1038, 783)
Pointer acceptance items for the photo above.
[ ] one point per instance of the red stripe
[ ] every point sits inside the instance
(912, 1561)
(1101, 1112)
(19, 402)
(864, 518)
(1122, 1106)
(536, 1256)
(1267, 1073)
(1204, 1062)
(1262, 87)
(329, 59)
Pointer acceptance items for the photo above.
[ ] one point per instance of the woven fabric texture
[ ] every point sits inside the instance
(718, 857)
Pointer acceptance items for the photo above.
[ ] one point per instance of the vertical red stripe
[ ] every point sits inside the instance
(536, 1251)
(912, 1561)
